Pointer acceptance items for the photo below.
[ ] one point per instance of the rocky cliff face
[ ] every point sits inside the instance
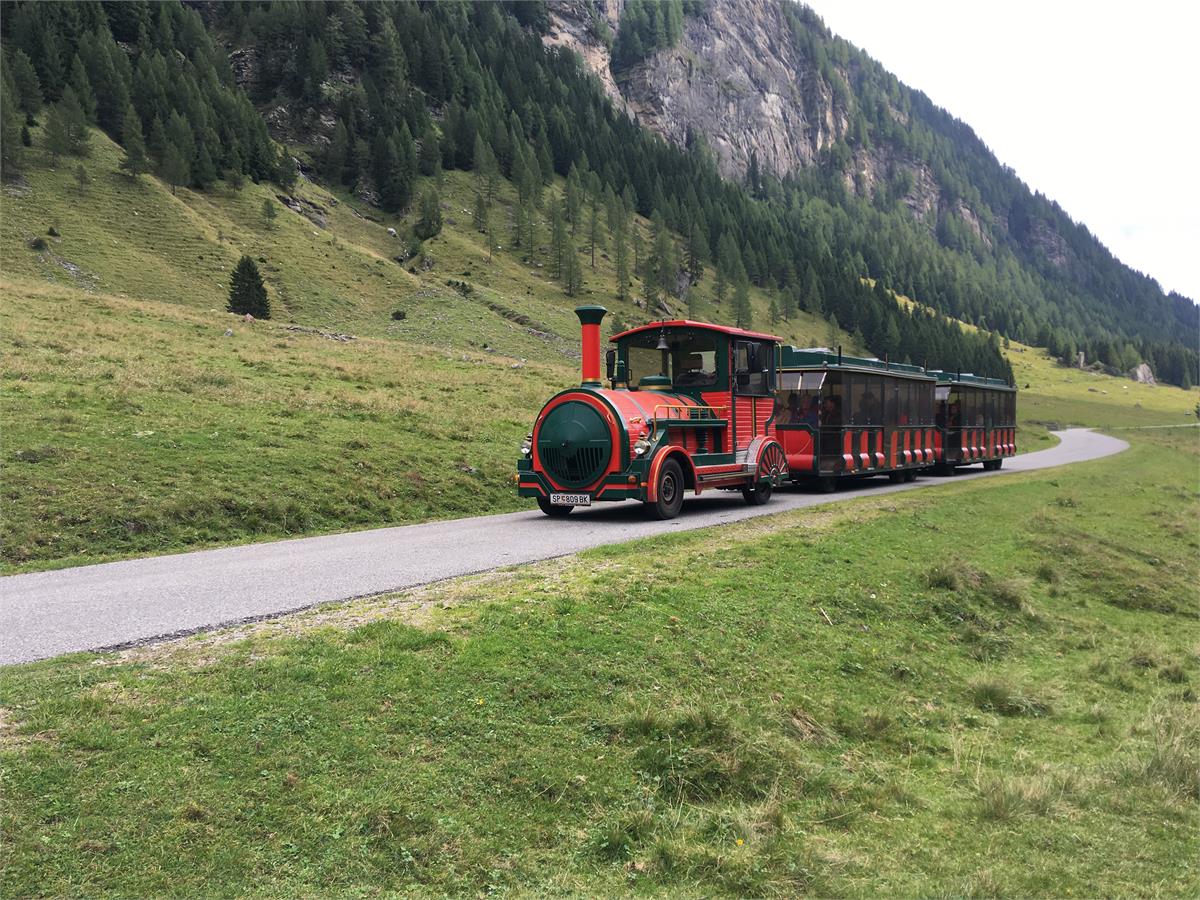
(738, 78)
(735, 77)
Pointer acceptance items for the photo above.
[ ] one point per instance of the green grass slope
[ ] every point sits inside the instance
(987, 689)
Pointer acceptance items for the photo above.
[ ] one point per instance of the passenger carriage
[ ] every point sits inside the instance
(688, 406)
(976, 419)
(845, 417)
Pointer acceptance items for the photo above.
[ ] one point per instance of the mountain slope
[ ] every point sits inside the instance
(932, 212)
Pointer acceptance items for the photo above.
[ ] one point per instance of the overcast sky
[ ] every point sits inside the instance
(1096, 106)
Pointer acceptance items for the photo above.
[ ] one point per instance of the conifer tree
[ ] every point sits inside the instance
(741, 301)
(269, 214)
(25, 81)
(479, 214)
(487, 170)
(333, 164)
(593, 225)
(82, 87)
(621, 254)
(558, 238)
(135, 161)
(430, 222)
(247, 293)
(572, 276)
(430, 160)
(11, 124)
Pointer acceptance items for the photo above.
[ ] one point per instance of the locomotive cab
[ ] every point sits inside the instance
(687, 407)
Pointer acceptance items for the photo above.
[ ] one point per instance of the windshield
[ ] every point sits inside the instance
(690, 361)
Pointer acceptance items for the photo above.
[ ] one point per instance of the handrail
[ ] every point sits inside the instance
(687, 413)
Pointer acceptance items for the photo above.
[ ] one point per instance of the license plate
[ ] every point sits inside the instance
(570, 500)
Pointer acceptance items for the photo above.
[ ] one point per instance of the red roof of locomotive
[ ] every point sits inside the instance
(688, 323)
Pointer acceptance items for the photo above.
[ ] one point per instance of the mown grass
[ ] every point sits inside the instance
(806, 704)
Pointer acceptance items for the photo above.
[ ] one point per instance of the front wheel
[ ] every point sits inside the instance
(669, 492)
(556, 512)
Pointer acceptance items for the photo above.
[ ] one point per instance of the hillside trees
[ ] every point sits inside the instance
(171, 67)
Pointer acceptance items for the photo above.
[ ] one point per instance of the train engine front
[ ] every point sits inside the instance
(675, 429)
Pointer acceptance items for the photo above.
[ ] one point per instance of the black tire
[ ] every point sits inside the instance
(758, 494)
(669, 492)
(555, 512)
(897, 477)
(996, 464)
(910, 475)
(826, 484)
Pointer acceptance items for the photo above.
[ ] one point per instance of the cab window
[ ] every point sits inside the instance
(753, 368)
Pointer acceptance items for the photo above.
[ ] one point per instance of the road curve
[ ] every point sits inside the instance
(110, 605)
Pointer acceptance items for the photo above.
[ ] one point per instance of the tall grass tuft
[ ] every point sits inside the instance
(998, 696)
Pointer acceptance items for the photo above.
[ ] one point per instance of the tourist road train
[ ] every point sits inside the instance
(690, 406)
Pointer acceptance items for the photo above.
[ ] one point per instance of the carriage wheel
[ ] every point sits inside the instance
(772, 467)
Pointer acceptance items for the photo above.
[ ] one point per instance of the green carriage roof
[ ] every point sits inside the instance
(822, 357)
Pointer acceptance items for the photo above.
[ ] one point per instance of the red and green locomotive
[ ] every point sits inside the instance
(689, 407)
(694, 406)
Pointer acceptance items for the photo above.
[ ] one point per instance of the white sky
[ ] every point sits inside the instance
(1096, 105)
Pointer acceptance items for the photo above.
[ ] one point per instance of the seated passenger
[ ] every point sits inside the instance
(692, 372)
(831, 412)
(812, 415)
(790, 415)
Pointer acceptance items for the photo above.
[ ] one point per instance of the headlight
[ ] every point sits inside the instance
(640, 448)
(527, 445)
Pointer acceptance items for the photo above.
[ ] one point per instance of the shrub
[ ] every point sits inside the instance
(399, 315)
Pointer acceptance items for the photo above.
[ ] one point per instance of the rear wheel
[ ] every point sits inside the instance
(758, 494)
(826, 484)
(910, 475)
(993, 464)
(556, 512)
(897, 477)
(669, 492)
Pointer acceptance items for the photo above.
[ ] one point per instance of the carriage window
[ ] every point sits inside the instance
(754, 366)
(870, 410)
(893, 398)
(852, 393)
(798, 401)
(925, 392)
(904, 410)
(832, 401)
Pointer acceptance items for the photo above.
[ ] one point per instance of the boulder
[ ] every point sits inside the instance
(1142, 373)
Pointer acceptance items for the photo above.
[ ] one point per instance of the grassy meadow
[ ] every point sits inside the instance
(986, 689)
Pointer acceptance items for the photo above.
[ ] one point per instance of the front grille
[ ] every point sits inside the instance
(580, 467)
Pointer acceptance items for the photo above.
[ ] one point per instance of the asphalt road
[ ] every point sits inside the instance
(118, 604)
